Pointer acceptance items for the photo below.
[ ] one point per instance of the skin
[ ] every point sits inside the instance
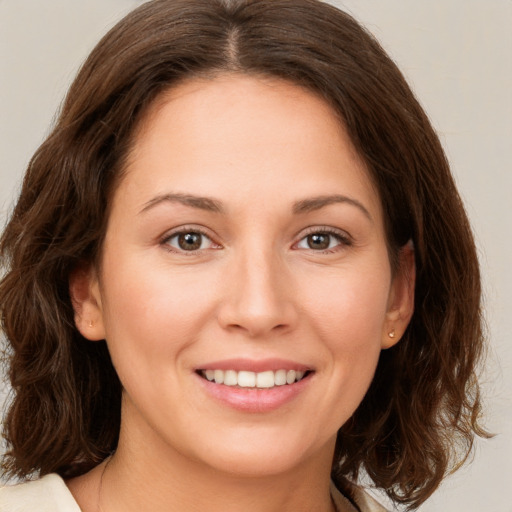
(256, 289)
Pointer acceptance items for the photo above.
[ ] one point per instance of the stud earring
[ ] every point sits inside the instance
(90, 323)
(391, 334)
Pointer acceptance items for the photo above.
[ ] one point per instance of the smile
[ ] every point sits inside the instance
(255, 386)
(259, 380)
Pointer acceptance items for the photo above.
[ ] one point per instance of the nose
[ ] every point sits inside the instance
(258, 296)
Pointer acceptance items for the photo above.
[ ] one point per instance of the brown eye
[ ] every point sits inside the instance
(188, 241)
(319, 241)
(324, 241)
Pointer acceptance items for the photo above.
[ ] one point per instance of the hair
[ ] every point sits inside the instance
(419, 418)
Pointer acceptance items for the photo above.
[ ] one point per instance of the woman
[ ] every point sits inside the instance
(239, 275)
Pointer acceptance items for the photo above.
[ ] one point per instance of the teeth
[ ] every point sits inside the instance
(280, 378)
(230, 378)
(265, 379)
(290, 376)
(246, 379)
(262, 380)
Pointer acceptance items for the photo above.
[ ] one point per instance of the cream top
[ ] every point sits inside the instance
(50, 494)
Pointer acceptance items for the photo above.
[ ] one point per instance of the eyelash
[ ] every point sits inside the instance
(343, 238)
(184, 231)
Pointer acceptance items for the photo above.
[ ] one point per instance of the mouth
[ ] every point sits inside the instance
(254, 380)
(255, 386)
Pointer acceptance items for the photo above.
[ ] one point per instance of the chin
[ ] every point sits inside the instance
(263, 456)
(256, 465)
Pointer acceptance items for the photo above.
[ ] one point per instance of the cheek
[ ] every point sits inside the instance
(348, 314)
(154, 312)
(353, 301)
(344, 313)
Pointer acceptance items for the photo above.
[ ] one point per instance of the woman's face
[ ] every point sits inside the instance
(245, 244)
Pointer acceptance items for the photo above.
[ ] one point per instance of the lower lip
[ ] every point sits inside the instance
(252, 399)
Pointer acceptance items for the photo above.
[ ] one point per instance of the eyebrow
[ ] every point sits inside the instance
(212, 205)
(316, 203)
(202, 203)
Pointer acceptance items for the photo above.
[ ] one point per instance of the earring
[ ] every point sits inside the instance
(391, 334)
(90, 323)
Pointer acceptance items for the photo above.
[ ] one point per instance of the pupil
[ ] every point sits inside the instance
(318, 241)
(189, 241)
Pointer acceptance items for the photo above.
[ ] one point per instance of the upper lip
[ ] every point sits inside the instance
(254, 365)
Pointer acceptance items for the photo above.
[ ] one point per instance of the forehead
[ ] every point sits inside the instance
(265, 134)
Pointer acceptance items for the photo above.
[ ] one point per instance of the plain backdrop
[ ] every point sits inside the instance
(456, 54)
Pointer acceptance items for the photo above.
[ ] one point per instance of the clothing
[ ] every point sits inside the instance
(354, 497)
(50, 494)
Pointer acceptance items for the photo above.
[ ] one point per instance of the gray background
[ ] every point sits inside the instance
(457, 55)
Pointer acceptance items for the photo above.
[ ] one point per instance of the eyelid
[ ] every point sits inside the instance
(164, 239)
(344, 237)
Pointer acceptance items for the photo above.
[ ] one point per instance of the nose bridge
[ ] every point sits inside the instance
(258, 298)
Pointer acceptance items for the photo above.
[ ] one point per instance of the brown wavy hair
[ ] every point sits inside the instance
(420, 415)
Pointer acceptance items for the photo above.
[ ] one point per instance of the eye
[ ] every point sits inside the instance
(189, 241)
(323, 240)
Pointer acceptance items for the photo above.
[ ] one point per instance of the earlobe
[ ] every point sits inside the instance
(86, 300)
(401, 298)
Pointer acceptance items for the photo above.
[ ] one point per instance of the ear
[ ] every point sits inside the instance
(401, 298)
(84, 291)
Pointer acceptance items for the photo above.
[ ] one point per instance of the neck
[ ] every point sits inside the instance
(175, 484)
(147, 475)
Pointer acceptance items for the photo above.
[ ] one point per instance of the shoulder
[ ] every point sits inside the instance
(48, 494)
(352, 498)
